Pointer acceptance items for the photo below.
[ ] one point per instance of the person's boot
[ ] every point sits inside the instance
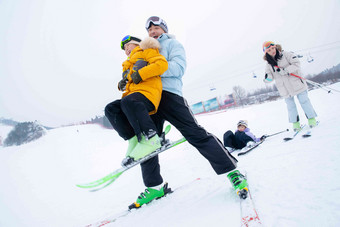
(239, 183)
(312, 122)
(296, 126)
(132, 144)
(150, 194)
(145, 147)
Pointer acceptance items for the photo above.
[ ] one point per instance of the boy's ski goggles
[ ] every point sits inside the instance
(268, 44)
(155, 20)
(127, 39)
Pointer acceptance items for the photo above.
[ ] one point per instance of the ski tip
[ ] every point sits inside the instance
(167, 129)
(287, 139)
(306, 136)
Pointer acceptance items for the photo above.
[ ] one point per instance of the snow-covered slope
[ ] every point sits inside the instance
(4, 130)
(293, 183)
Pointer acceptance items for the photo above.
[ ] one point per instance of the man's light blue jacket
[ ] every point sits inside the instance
(174, 53)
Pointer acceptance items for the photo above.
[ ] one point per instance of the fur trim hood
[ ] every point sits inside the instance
(150, 43)
(278, 48)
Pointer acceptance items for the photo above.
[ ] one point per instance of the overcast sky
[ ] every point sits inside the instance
(60, 60)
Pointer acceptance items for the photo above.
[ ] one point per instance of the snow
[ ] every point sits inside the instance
(293, 183)
(4, 130)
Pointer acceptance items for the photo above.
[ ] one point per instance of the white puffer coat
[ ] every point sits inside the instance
(287, 85)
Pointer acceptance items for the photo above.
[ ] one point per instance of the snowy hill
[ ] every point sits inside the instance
(293, 183)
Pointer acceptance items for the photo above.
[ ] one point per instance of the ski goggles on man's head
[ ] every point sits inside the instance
(154, 20)
(267, 44)
(127, 39)
(157, 21)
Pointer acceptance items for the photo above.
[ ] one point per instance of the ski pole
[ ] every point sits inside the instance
(266, 136)
(278, 132)
(314, 83)
(311, 82)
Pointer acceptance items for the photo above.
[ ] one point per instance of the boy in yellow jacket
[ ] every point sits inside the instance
(142, 87)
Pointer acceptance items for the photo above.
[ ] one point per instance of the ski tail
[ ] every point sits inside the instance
(249, 214)
(295, 134)
(309, 131)
(103, 180)
(115, 217)
(112, 177)
(107, 183)
(248, 149)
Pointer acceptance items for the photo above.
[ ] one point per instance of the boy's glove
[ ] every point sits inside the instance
(125, 74)
(140, 63)
(122, 84)
(281, 71)
(136, 77)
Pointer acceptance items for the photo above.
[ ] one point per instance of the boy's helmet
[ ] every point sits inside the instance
(129, 39)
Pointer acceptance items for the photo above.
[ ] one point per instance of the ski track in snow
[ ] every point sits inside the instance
(293, 183)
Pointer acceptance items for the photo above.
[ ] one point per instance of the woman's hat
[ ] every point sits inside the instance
(267, 44)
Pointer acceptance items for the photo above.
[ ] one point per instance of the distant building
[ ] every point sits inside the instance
(213, 104)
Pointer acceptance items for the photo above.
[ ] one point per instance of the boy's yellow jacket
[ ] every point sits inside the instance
(151, 85)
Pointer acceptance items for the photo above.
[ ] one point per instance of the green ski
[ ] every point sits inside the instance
(111, 177)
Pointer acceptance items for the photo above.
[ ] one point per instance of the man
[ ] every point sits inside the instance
(174, 108)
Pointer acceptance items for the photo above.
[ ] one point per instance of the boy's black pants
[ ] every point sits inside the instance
(129, 116)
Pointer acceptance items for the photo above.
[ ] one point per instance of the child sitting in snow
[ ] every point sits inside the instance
(241, 138)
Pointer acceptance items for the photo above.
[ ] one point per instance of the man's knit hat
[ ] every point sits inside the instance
(158, 22)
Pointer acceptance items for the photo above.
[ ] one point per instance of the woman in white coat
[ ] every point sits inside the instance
(280, 65)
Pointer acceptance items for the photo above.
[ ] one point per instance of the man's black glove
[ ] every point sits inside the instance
(122, 84)
(263, 137)
(136, 77)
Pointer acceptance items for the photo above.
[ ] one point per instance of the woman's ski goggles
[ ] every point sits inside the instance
(268, 44)
(127, 39)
